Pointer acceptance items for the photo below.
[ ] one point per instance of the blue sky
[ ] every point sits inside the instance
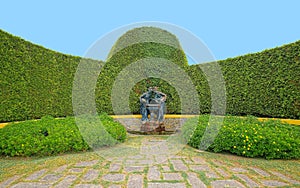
(228, 28)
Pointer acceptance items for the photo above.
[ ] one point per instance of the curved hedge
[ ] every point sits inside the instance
(264, 84)
(35, 81)
(247, 136)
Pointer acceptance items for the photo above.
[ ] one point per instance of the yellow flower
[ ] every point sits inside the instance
(248, 148)
(244, 140)
(246, 131)
(277, 149)
(22, 145)
(244, 152)
(274, 142)
(234, 146)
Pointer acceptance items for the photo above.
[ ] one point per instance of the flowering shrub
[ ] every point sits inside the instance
(50, 136)
(248, 137)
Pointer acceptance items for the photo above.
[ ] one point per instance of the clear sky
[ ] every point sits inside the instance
(229, 28)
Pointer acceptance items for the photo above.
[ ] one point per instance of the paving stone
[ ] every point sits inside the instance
(153, 173)
(87, 186)
(137, 157)
(166, 168)
(51, 178)
(198, 160)
(86, 163)
(135, 181)
(222, 172)
(200, 167)
(115, 186)
(194, 181)
(8, 181)
(161, 158)
(288, 179)
(179, 165)
(172, 176)
(61, 169)
(91, 175)
(114, 177)
(131, 162)
(134, 168)
(145, 162)
(218, 163)
(211, 174)
(273, 183)
(226, 183)
(76, 170)
(114, 167)
(166, 185)
(66, 182)
(239, 170)
(260, 172)
(36, 175)
(250, 183)
(31, 185)
(188, 161)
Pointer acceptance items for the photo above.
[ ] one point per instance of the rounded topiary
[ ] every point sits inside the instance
(135, 45)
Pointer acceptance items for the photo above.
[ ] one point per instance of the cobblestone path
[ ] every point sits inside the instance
(151, 168)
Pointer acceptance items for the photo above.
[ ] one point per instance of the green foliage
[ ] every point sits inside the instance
(50, 136)
(264, 84)
(127, 50)
(34, 81)
(247, 136)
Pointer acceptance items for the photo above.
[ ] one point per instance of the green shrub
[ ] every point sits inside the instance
(50, 136)
(248, 137)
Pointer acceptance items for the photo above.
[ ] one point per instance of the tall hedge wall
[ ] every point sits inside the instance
(34, 81)
(265, 83)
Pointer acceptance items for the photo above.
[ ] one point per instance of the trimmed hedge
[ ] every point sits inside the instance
(36, 81)
(125, 51)
(265, 84)
(247, 137)
(50, 136)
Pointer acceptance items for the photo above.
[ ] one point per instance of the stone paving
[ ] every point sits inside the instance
(152, 169)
